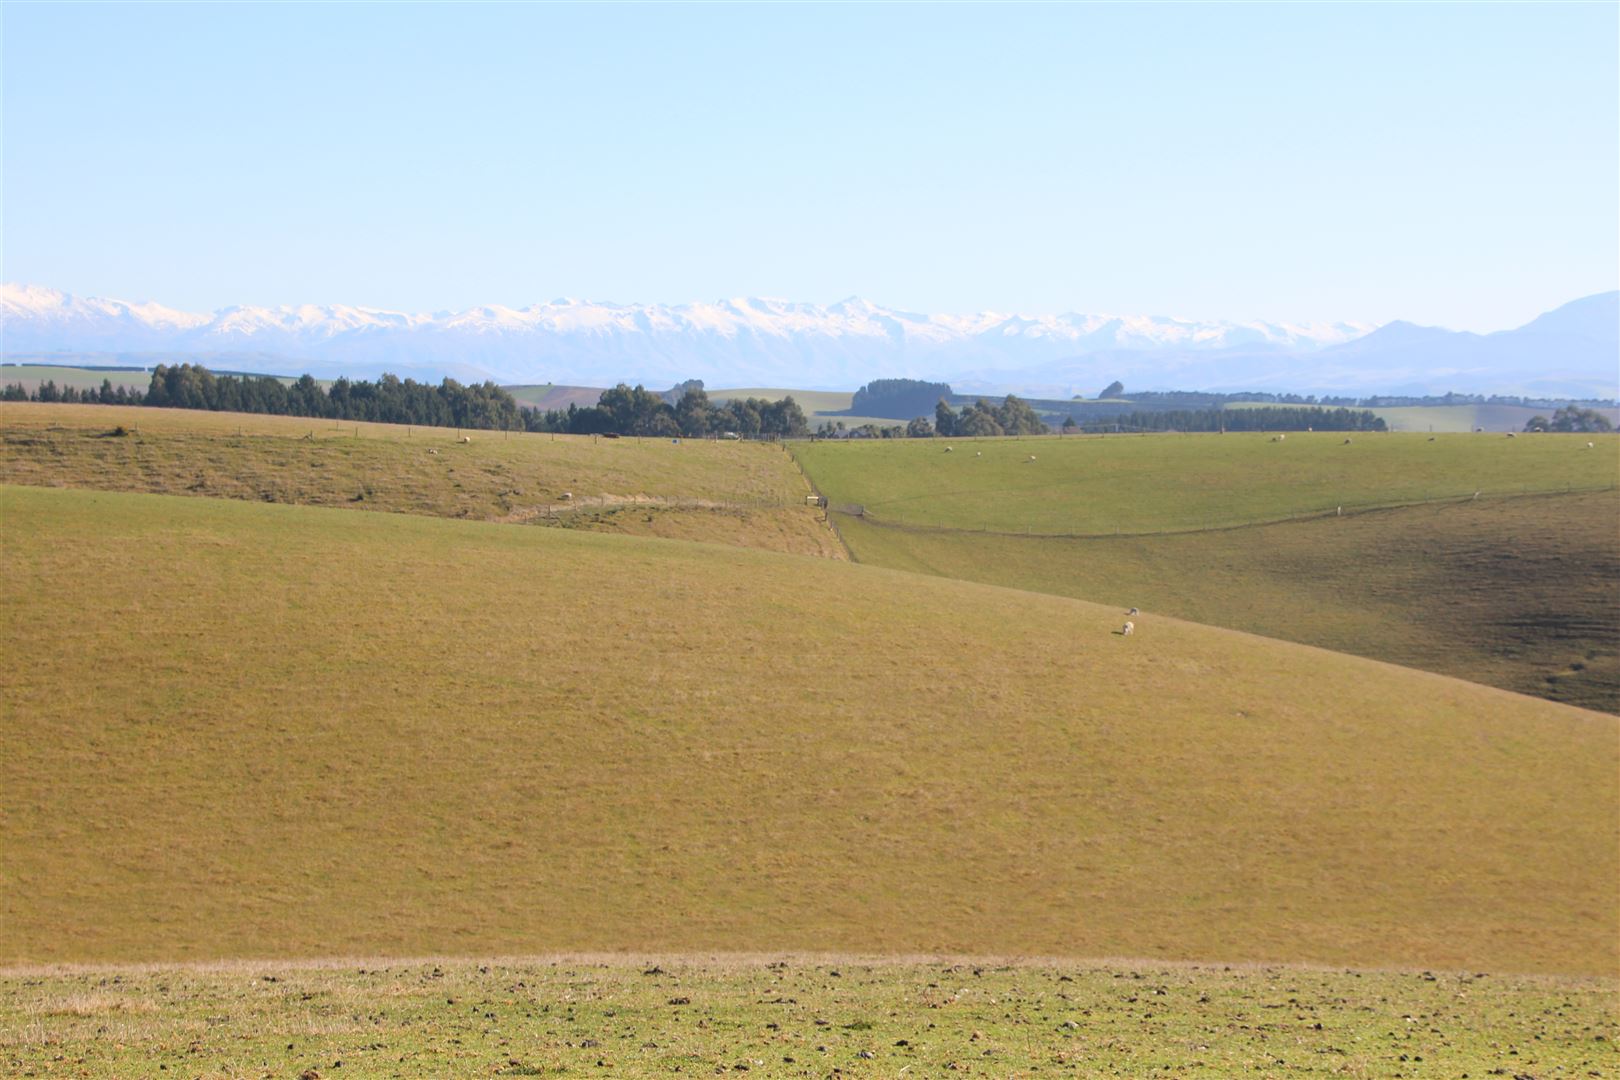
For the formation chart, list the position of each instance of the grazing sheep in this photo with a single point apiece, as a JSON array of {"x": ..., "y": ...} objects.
[
  {"x": 1431, "y": 438},
  {"x": 1347, "y": 442},
  {"x": 1032, "y": 457},
  {"x": 432, "y": 451},
  {"x": 1590, "y": 445},
  {"x": 465, "y": 439},
  {"x": 947, "y": 449},
  {"x": 1133, "y": 611},
  {"x": 978, "y": 453},
  {"x": 1128, "y": 629},
  {"x": 1512, "y": 436},
  {"x": 565, "y": 496}
]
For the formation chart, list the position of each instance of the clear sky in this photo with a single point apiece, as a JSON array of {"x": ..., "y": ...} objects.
[{"x": 1452, "y": 164}]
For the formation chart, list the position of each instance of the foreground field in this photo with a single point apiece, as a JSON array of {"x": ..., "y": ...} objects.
[
  {"x": 1520, "y": 592},
  {"x": 740, "y": 493},
  {"x": 1101, "y": 485},
  {"x": 794, "y": 1017},
  {"x": 240, "y": 730}
]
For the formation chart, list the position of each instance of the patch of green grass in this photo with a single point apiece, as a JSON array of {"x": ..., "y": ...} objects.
[
  {"x": 797, "y": 1017},
  {"x": 233, "y": 730},
  {"x": 1093, "y": 485},
  {"x": 1521, "y": 592}
]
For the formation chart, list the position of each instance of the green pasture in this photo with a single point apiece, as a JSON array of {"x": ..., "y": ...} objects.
[
  {"x": 1094, "y": 485},
  {"x": 796, "y": 1017},
  {"x": 243, "y": 730},
  {"x": 1519, "y": 592}
]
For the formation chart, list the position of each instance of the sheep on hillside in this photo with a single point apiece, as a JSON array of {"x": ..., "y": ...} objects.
[
  {"x": 465, "y": 439},
  {"x": 1347, "y": 442},
  {"x": 1128, "y": 629},
  {"x": 1133, "y": 611},
  {"x": 947, "y": 449},
  {"x": 1032, "y": 457},
  {"x": 1590, "y": 445}
]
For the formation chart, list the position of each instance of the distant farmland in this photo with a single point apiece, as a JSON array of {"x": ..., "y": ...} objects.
[
  {"x": 1100, "y": 485},
  {"x": 1515, "y": 590},
  {"x": 526, "y": 740}
]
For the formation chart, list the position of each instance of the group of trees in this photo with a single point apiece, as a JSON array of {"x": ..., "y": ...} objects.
[
  {"x": 627, "y": 410},
  {"x": 1012, "y": 417},
  {"x": 623, "y": 410},
  {"x": 108, "y": 394},
  {"x": 898, "y": 398},
  {"x": 389, "y": 400},
  {"x": 1571, "y": 418},
  {"x": 1265, "y": 418}
]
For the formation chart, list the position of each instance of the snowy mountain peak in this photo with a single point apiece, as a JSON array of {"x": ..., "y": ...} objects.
[{"x": 767, "y": 341}]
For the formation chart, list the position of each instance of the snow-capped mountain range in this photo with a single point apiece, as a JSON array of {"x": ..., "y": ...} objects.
[{"x": 760, "y": 342}]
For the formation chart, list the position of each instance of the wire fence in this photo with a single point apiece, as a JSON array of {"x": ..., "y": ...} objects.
[{"x": 1210, "y": 523}]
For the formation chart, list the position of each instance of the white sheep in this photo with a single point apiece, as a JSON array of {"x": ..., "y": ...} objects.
[
  {"x": 433, "y": 451},
  {"x": 1134, "y": 611},
  {"x": 947, "y": 449},
  {"x": 978, "y": 453},
  {"x": 565, "y": 496},
  {"x": 1032, "y": 457},
  {"x": 1512, "y": 436},
  {"x": 1590, "y": 445},
  {"x": 1129, "y": 629},
  {"x": 465, "y": 439}
]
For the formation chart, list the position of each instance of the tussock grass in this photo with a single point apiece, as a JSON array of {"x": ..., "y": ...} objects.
[
  {"x": 795, "y": 1016},
  {"x": 726, "y": 492},
  {"x": 241, "y": 730}
]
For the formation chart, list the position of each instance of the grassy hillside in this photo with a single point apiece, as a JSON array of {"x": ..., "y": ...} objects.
[
  {"x": 729, "y": 492},
  {"x": 1521, "y": 592},
  {"x": 1145, "y": 483},
  {"x": 797, "y": 1017},
  {"x": 241, "y": 730},
  {"x": 30, "y": 376},
  {"x": 552, "y": 396}
]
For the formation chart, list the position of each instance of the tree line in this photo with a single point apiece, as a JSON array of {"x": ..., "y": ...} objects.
[
  {"x": 627, "y": 410},
  {"x": 1266, "y": 418},
  {"x": 623, "y": 410}
]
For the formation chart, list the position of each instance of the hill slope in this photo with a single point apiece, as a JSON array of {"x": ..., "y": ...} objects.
[{"x": 234, "y": 729}]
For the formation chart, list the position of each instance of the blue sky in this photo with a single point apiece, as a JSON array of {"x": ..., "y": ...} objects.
[{"x": 1449, "y": 164}]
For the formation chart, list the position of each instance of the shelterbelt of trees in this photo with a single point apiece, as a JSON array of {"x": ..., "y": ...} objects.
[
  {"x": 1264, "y": 418},
  {"x": 623, "y": 410}
]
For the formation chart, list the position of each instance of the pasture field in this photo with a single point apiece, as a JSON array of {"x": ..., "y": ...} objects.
[
  {"x": 1098, "y": 485},
  {"x": 238, "y": 730},
  {"x": 745, "y": 493},
  {"x": 1521, "y": 592},
  {"x": 30, "y": 376},
  {"x": 796, "y": 1017},
  {"x": 1466, "y": 417},
  {"x": 553, "y": 396}
]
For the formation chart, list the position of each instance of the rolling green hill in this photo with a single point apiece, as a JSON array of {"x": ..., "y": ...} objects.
[
  {"x": 1095, "y": 485},
  {"x": 232, "y": 729}
]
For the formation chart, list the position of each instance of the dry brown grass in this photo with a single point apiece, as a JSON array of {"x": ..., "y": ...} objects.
[
  {"x": 745, "y": 494},
  {"x": 241, "y": 730}
]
